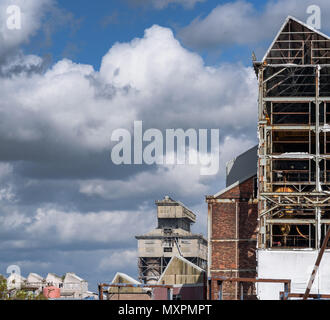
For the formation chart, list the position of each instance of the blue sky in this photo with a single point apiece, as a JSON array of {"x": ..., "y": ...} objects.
[
  {"x": 92, "y": 28},
  {"x": 98, "y": 26},
  {"x": 74, "y": 73}
]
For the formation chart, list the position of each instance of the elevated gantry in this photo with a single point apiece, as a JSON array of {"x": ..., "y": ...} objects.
[{"x": 294, "y": 138}]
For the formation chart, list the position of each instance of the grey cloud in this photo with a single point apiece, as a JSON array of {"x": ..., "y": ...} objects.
[
  {"x": 18, "y": 63},
  {"x": 57, "y": 130},
  {"x": 239, "y": 23},
  {"x": 32, "y": 13}
]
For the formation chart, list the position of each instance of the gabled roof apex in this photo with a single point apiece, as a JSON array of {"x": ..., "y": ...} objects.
[
  {"x": 284, "y": 25},
  {"x": 126, "y": 277}
]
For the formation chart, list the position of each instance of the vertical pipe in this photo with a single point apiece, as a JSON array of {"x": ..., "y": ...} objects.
[
  {"x": 286, "y": 291},
  {"x": 317, "y": 155},
  {"x": 209, "y": 239},
  {"x": 242, "y": 290},
  {"x": 317, "y": 128},
  {"x": 220, "y": 290},
  {"x": 210, "y": 288},
  {"x": 100, "y": 292},
  {"x": 271, "y": 236},
  {"x": 309, "y": 143},
  {"x": 318, "y": 228},
  {"x": 204, "y": 286},
  {"x": 169, "y": 293}
]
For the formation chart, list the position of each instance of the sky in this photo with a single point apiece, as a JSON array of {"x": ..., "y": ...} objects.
[{"x": 75, "y": 72}]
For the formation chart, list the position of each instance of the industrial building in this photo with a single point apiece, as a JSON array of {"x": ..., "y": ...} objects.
[
  {"x": 172, "y": 237},
  {"x": 266, "y": 228},
  {"x": 181, "y": 280},
  {"x": 232, "y": 229},
  {"x": 293, "y": 157},
  {"x": 171, "y": 260}
]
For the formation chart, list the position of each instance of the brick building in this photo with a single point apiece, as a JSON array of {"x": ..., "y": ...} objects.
[{"x": 232, "y": 228}]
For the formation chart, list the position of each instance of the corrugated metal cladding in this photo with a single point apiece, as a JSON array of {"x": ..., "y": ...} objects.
[{"x": 242, "y": 167}]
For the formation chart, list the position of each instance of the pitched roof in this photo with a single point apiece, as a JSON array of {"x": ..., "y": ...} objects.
[
  {"x": 298, "y": 31},
  {"x": 54, "y": 275},
  {"x": 127, "y": 279},
  {"x": 184, "y": 260},
  {"x": 73, "y": 275},
  {"x": 124, "y": 276},
  {"x": 35, "y": 275},
  {"x": 242, "y": 167}
]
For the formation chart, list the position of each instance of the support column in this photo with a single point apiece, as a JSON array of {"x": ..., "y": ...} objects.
[{"x": 317, "y": 156}]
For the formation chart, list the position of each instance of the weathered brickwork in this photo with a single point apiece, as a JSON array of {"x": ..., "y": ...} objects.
[{"x": 233, "y": 239}]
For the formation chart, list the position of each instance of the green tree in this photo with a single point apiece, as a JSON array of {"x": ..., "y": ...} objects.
[
  {"x": 40, "y": 297},
  {"x": 20, "y": 295},
  {"x": 3, "y": 288},
  {"x": 17, "y": 294}
]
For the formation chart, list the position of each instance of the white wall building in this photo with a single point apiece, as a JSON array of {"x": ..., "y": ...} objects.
[
  {"x": 15, "y": 281},
  {"x": 54, "y": 280},
  {"x": 71, "y": 286},
  {"x": 74, "y": 287}
]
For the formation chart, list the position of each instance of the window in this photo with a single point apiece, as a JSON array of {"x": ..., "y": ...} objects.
[{"x": 167, "y": 249}]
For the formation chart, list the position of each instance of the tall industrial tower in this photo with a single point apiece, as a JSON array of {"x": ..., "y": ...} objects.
[
  {"x": 294, "y": 152},
  {"x": 171, "y": 237}
]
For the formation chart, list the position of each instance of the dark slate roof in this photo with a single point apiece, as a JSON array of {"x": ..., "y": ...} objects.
[{"x": 242, "y": 167}]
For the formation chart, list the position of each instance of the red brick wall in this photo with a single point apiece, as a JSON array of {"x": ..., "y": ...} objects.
[{"x": 233, "y": 239}]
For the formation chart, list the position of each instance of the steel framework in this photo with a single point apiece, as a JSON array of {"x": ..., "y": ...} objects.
[
  {"x": 294, "y": 142},
  {"x": 220, "y": 280}
]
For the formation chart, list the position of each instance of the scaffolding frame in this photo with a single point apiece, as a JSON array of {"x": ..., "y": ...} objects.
[{"x": 293, "y": 126}]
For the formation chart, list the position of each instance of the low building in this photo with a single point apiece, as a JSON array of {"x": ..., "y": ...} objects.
[
  {"x": 232, "y": 228},
  {"x": 54, "y": 280},
  {"x": 15, "y": 281},
  {"x": 69, "y": 286},
  {"x": 127, "y": 293},
  {"x": 36, "y": 283},
  {"x": 188, "y": 280},
  {"x": 74, "y": 287}
]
